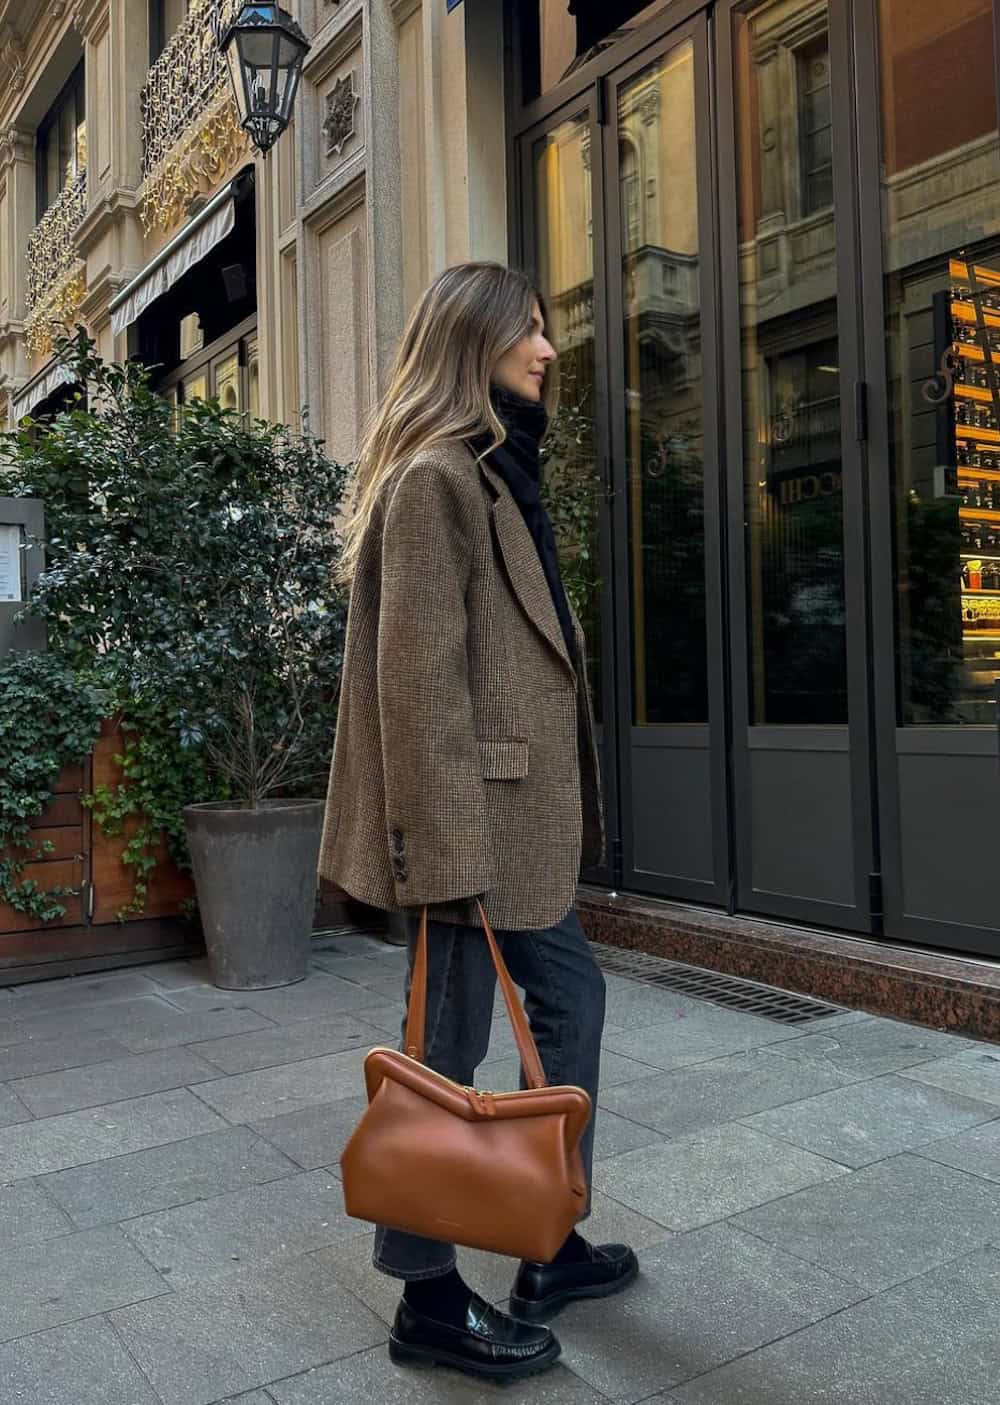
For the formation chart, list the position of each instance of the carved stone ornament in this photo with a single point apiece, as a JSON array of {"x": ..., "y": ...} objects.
[
  {"x": 649, "y": 106},
  {"x": 12, "y": 57},
  {"x": 341, "y": 105}
]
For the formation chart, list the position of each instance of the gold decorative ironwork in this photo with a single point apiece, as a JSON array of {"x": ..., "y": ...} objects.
[
  {"x": 56, "y": 275},
  {"x": 191, "y": 133},
  {"x": 214, "y": 145}
]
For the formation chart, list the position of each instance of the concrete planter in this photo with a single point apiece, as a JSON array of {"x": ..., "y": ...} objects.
[{"x": 255, "y": 874}]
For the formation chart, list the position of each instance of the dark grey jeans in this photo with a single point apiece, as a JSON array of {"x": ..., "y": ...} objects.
[{"x": 564, "y": 999}]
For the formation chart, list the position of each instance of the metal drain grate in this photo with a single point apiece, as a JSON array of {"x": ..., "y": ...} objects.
[{"x": 782, "y": 1006}]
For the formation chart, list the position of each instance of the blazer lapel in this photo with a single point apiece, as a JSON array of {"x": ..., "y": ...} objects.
[{"x": 523, "y": 566}]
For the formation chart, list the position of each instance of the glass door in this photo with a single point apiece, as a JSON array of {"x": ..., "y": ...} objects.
[
  {"x": 800, "y": 717},
  {"x": 931, "y": 228},
  {"x": 665, "y": 470}
]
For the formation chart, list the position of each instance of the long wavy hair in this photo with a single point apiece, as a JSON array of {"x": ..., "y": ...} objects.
[{"x": 468, "y": 318}]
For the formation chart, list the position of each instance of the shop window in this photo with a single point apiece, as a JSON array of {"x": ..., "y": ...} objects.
[
  {"x": 559, "y": 36},
  {"x": 61, "y": 143},
  {"x": 815, "y": 125},
  {"x": 941, "y": 256}
]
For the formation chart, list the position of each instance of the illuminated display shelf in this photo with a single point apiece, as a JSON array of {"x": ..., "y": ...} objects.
[
  {"x": 981, "y": 436},
  {"x": 993, "y": 594},
  {"x": 963, "y": 311},
  {"x": 971, "y": 474},
  {"x": 979, "y": 514}
]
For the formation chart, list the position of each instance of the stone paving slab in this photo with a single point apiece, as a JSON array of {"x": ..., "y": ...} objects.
[
  {"x": 885, "y": 1223},
  {"x": 318, "y": 997},
  {"x": 27, "y": 1212},
  {"x": 198, "y": 1168},
  {"x": 976, "y": 1151},
  {"x": 129, "y": 1076},
  {"x": 268, "y": 1092},
  {"x": 695, "y": 1038},
  {"x": 78, "y": 992},
  {"x": 868, "y": 1047},
  {"x": 710, "y": 1175},
  {"x": 204, "y": 1344},
  {"x": 104, "y": 1016},
  {"x": 34, "y": 1056},
  {"x": 932, "y": 1341},
  {"x": 703, "y": 1299},
  {"x": 12, "y": 1108},
  {"x": 975, "y": 1073},
  {"x": 702, "y": 1095},
  {"x": 210, "y": 1239},
  {"x": 81, "y": 1364},
  {"x": 75, "y": 1138},
  {"x": 43, "y": 1284},
  {"x": 868, "y": 1121},
  {"x": 314, "y": 1136},
  {"x": 244, "y": 1053}
]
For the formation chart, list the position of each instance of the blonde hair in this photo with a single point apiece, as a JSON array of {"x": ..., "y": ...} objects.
[{"x": 468, "y": 318}]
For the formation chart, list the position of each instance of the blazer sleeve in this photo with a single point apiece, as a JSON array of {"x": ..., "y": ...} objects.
[{"x": 439, "y": 849}]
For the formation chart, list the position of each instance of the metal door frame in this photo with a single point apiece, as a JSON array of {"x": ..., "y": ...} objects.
[
  {"x": 695, "y": 28},
  {"x": 585, "y": 101}
]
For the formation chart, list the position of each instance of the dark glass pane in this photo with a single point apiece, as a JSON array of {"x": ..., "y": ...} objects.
[
  {"x": 791, "y": 381},
  {"x": 941, "y": 193},
  {"x": 663, "y": 391}
]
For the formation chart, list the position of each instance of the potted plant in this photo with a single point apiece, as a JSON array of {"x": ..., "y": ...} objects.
[{"x": 195, "y": 552}]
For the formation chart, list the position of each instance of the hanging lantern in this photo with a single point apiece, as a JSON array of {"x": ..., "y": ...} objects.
[{"x": 265, "y": 49}]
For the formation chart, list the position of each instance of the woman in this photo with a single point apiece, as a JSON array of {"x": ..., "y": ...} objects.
[{"x": 465, "y": 763}]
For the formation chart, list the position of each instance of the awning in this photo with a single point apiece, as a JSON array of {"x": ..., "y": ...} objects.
[
  {"x": 52, "y": 375},
  {"x": 198, "y": 238}
]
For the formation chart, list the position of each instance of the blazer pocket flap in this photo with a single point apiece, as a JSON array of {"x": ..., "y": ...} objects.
[{"x": 504, "y": 761}]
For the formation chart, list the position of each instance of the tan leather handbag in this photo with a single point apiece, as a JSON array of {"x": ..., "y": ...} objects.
[{"x": 496, "y": 1171}]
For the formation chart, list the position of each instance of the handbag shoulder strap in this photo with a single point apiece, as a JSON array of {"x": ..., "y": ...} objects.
[{"x": 531, "y": 1063}]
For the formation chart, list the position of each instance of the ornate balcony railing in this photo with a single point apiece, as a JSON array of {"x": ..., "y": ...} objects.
[
  {"x": 55, "y": 269},
  {"x": 190, "y": 127}
]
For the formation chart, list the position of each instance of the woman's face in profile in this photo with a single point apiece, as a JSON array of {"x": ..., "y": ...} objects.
[{"x": 523, "y": 368}]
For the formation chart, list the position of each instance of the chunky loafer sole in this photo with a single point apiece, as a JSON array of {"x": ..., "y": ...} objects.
[
  {"x": 412, "y": 1354},
  {"x": 542, "y": 1309}
]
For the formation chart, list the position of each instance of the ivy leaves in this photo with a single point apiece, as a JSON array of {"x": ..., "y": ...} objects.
[{"x": 50, "y": 717}]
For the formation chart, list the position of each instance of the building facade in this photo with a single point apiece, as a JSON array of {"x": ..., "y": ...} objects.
[{"x": 768, "y": 235}]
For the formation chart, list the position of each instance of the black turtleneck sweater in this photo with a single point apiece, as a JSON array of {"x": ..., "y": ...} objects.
[{"x": 518, "y": 462}]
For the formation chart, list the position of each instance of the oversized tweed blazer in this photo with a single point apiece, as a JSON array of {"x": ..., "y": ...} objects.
[{"x": 465, "y": 761}]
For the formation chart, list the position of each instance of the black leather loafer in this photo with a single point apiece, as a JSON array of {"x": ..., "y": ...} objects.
[
  {"x": 489, "y": 1343},
  {"x": 541, "y": 1290}
]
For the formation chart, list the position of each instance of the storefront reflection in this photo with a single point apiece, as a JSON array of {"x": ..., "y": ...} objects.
[
  {"x": 941, "y": 220},
  {"x": 791, "y": 366}
]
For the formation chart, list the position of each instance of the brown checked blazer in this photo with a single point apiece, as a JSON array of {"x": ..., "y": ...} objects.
[{"x": 465, "y": 761}]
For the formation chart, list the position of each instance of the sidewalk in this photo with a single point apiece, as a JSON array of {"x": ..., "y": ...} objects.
[{"x": 817, "y": 1208}]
